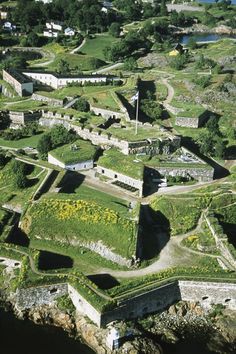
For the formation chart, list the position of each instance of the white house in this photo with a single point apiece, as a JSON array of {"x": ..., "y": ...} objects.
[
  {"x": 50, "y": 33},
  {"x": 54, "y": 25},
  {"x": 69, "y": 32}
]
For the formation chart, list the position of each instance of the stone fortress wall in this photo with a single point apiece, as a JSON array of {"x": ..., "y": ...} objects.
[
  {"x": 51, "y": 101},
  {"x": 102, "y": 138},
  {"x": 155, "y": 300}
]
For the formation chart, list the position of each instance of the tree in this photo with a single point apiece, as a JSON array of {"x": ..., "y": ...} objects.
[
  {"x": 220, "y": 148},
  {"x": 63, "y": 67},
  {"x": 20, "y": 180},
  {"x": 179, "y": 61},
  {"x": 18, "y": 167},
  {"x": 192, "y": 43},
  {"x": 130, "y": 64},
  {"x": 32, "y": 40},
  {"x": 44, "y": 145},
  {"x": 59, "y": 136},
  {"x": 206, "y": 143},
  {"x": 163, "y": 8},
  {"x": 82, "y": 105},
  {"x": 114, "y": 29},
  {"x": 203, "y": 81},
  {"x": 3, "y": 159},
  {"x": 151, "y": 108},
  {"x": 212, "y": 125}
]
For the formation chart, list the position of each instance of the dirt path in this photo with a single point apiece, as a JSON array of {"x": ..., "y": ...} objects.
[
  {"x": 171, "y": 91},
  {"x": 79, "y": 47}
]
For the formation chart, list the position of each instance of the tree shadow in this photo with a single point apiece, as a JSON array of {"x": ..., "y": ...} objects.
[
  {"x": 104, "y": 281},
  {"x": 32, "y": 182},
  {"x": 18, "y": 237},
  {"x": 230, "y": 153},
  {"x": 49, "y": 260},
  {"x": 70, "y": 182},
  {"x": 154, "y": 233},
  {"x": 228, "y": 228},
  {"x": 219, "y": 171}
]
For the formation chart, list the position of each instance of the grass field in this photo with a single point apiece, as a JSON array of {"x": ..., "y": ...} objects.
[
  {"x": 79, "y": 151},
  {"x": 116, "y": 161},
  {"x": 18, "y": 197},
  {"x": 31, "y": 141},
  {"x": 94, "y": 47},
  {"x": 72, "y": 222}
]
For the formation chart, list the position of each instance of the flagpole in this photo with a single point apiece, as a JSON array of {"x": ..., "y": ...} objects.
[{"x": 136, "y": 124}]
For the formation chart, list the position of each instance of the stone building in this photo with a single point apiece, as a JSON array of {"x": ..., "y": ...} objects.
[{"x": 21, "y": 83}]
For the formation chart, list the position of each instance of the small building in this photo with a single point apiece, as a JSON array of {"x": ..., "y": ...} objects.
[
  {"x": 50, "y": 33},
  {"x": 178, "y": 49},
  {"x": 8, "y": 26},
  {"x": 54, "y": 25},
  {"x": 76, "y": 156},
  {"x": 3, "y": 14},
  {"x": 21, "y": 84},
  {"x": 124, "y": 171},
  {"x": 69, "y": 32},
  {"x": 113, "y": 339}
]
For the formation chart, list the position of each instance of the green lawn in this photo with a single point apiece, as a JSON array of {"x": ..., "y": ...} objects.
[
  {"x": 89, "y": 194},
  {"x": 144, "y": 132},
  {"x": 10, "y": 194},
  {"x": 76, "y": 152},
  {"x": 70, "y": 222},
  {"x": 94, "y": 47},
  {"x": 25, "y": 105},
  {"x": 31, "y": 141},
  {"x": 116, "y": 161}
]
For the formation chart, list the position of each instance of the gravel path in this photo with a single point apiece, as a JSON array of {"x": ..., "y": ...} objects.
[{"x": 79, "y": 47}]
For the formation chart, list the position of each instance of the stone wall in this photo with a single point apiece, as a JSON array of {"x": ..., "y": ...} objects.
[
  {"x": 106, "y": 113},
  {"x": 101, "y": 138},
  {"x": 51, "y": 101},
  {"x": 21, "y": 118},
  {"x": 208, "y": 293},
  {"x": 83, "y": 306},
  {"x": 113, "y": 174},
  {"x": 191, "y": 122},
  {"x": 41, "y": 295},
  {"x": 221, "y": 240},
  {"x": 152, "y": 301},
  {"x": 199, "y": 173},
  {"x": 155, "y": 300}
]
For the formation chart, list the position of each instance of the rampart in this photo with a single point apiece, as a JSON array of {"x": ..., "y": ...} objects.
[
  {"x": 21, "y": 118},
  {"x": 51, "y": 101},
  {"x": 155, "y": 300},
  {"x": 202, "y": 174},
  {"x": 104, "y": 139}
]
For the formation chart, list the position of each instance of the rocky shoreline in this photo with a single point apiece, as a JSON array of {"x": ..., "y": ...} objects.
[
  {"x": 213, "y": 329},
  {"x": 199, "y": 28}
]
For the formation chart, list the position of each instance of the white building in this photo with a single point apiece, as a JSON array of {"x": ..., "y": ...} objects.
[
  {"x": 76, "y": 166},
  {"x": 57, "y": 81},
  {"x": 50, "y": 33},
  {"x": 54, "y": 25},
  {"x": 113, "y": 338}
]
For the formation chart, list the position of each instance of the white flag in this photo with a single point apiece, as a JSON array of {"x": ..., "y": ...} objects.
[{"x": 135, "y": 97}]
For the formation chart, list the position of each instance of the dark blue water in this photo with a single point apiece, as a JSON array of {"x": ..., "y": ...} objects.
[
  {"x": 204, "y": 37},
  {"x": 24, "y": 337},
  {"x": 233, "y": 2}
]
